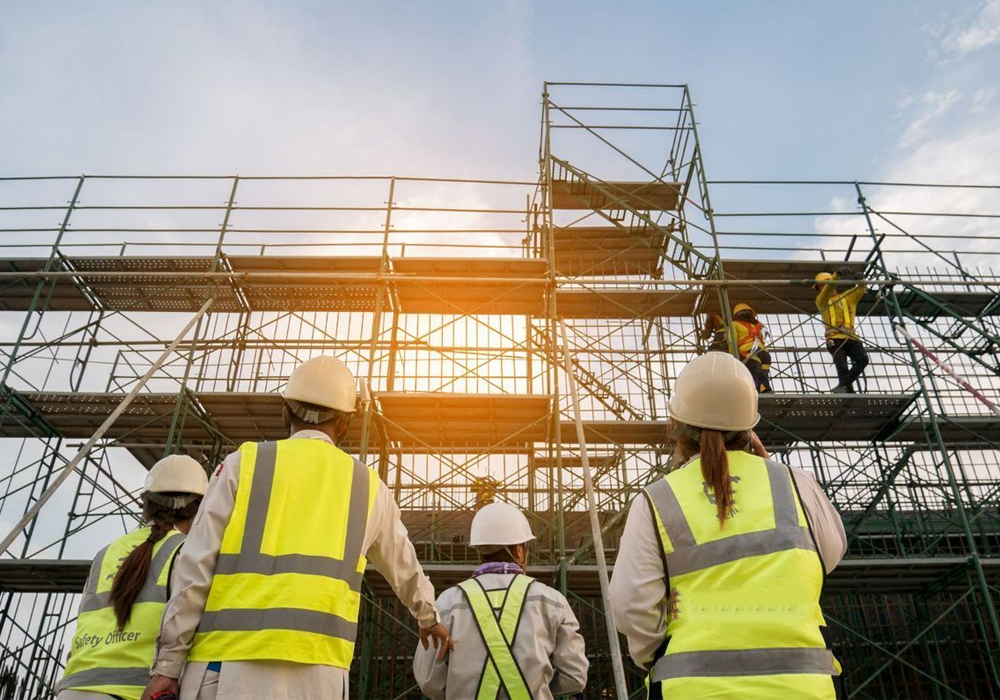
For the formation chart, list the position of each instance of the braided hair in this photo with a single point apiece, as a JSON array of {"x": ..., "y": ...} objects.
[{"x": 161, "y": 512}]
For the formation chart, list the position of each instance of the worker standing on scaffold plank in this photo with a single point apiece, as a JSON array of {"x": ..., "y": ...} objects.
[
  {"x": 839, "y": 308},
  {"x": 751, "y": 341},
  {"x": 128, "y": 587},
  {"x": 269, "y": 581},
  {"x": 515, "y": 637},
  {"x": 721, "y": 564}
]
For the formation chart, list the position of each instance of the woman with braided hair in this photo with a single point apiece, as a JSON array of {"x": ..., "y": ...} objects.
[{"x": 128, "y": 588}]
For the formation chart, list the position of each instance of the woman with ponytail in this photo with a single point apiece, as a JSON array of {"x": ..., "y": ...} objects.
[
  {"x": 128, "y": 588},
  {"x": 722, "y": 561}
]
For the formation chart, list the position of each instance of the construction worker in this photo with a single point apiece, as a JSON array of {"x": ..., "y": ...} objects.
[
  {"x": 720, "y": 567},
  {"x": 128, "y": 587},
  {"x": 269, "y": 581},
  {"x": 752, "y": 345},
  {"x": 713, "y": 332},
  {"x": 514, "y": 636},
  {"x": 839, "y": 308}
]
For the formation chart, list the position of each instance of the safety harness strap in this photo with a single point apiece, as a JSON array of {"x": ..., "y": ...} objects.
[{"x": 501, "y": 668}]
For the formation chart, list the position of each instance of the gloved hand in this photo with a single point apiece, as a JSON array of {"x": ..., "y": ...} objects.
[{"x": 845, "y": 273}]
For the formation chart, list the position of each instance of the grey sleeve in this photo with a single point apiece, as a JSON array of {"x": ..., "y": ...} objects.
[
  {"x": 432, "y": 675},
  {"x": 569, "y": 658},
  {"x": 824, "y": 520},
  {"x": 638, "y": 588}
]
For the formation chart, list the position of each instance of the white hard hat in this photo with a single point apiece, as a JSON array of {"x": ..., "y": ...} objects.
[
  {"x": 499, "y": 524},
  {"x": 322, "y": 381},
  {"x": 715, "y": 391},
  {"x": 176, "y": 474}
]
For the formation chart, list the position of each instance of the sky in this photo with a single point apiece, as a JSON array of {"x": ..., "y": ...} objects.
[
  {"x": 881, "y": 91},
  {"x": 789, "y": 90}
]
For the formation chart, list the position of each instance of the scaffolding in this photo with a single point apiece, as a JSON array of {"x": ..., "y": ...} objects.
[{"x": 450, "y": 299}]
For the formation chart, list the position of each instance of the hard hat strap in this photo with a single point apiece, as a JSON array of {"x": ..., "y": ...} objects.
[
  {"x": 172, "y": 502},
  {"x": 310, "y": 415}
]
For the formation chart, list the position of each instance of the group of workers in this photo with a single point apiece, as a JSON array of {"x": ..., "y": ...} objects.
[
  {"x": 838, "y": 308},
  {"x": 249, "y": 586}
]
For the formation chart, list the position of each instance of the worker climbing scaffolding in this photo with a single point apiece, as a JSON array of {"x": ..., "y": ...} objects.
[
  {"x": 751, "y": 341},
  {"x": 839, "y": 308}
]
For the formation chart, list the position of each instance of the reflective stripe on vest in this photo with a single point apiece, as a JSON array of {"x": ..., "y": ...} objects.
[
  {"x": 758, "y": 578},
  {"x": 104, "y": 659},
  {"x": 501, "y": 669},
  {"x": 287, "y": 583}
]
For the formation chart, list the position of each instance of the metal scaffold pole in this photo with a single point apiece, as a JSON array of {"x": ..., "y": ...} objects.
[
  {"x": 595, "y": 525},
  {"x": 105, "y": 426}
]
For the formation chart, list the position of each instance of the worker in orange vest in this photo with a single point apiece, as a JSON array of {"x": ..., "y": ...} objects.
[{"x": 751, "y": 342}]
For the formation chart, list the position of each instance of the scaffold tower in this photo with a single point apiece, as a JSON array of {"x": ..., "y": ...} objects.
[{"x": 150, "y": 315}]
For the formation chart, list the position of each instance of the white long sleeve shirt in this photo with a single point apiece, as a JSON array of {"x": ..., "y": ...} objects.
[
  {"x": 386, "y": 546},
  {"x": 548, "y": 646},
  {"x": 638, "y": 587}
]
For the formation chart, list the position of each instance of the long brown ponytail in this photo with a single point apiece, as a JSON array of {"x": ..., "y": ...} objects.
[
  {"x": 715, "y": 472},
  {"x": 714, "y": 463},
  {"x": 131, "y": 577}
]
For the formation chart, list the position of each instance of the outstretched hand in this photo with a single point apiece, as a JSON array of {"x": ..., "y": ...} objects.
[{"x": 438, "y": 634}]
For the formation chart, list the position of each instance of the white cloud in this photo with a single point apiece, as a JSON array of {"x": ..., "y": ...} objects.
[
  {"x": 967, "y": 156},
  {"x": 935, "y": 105},
  {"x": 983, "y": 31},
  {"x": 982, "y": 99}
]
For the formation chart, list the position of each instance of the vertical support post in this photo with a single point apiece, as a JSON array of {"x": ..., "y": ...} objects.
[
  {"x": 595, "y": 524},
  {"x": 545, "y": 175},
  {"x": 719, "y": 272},
  {"x": 383, "y": 290}
]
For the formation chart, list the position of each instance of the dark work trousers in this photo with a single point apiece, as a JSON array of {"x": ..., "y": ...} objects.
[
  {"x": 844, "y": 349},
  {"x": 759, "y": 365}
]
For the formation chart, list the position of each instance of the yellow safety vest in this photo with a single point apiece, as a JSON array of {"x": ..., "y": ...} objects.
[
  {"x": 497, "y": 615},
  {"x": 104, "y": 659},
  {"x": 839, "y": 310},
  {"x": 287, "y": 584},
  {"x": 746, "y": 620}
]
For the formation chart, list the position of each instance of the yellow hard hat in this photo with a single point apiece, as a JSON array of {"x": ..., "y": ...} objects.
[
  {"x": 743, "y": 307},
  {"x": 176, "y": 474},
  {"x": 321, "y": 381},
  {"x": 822, "y": 277},
  {"x": 715, "y": 391}
]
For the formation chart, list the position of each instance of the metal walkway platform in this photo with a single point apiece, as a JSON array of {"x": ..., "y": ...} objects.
[
  {"x": 606, "y": 250},
  {"x": 470, "y": 285},
  {"x": 801, "y": 299},
  {"x": 788, "y": 418},
  {"x": 465, "y": 422},
  {"x": 645, "y": 196},
  {"x": 625, "y": 304},
  {"x": 956, "y": 431},
  {"x": 459, "y": 420}
]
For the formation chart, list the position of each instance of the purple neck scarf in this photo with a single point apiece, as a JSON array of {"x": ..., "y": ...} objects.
[{"x": 498, "y": 567}]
